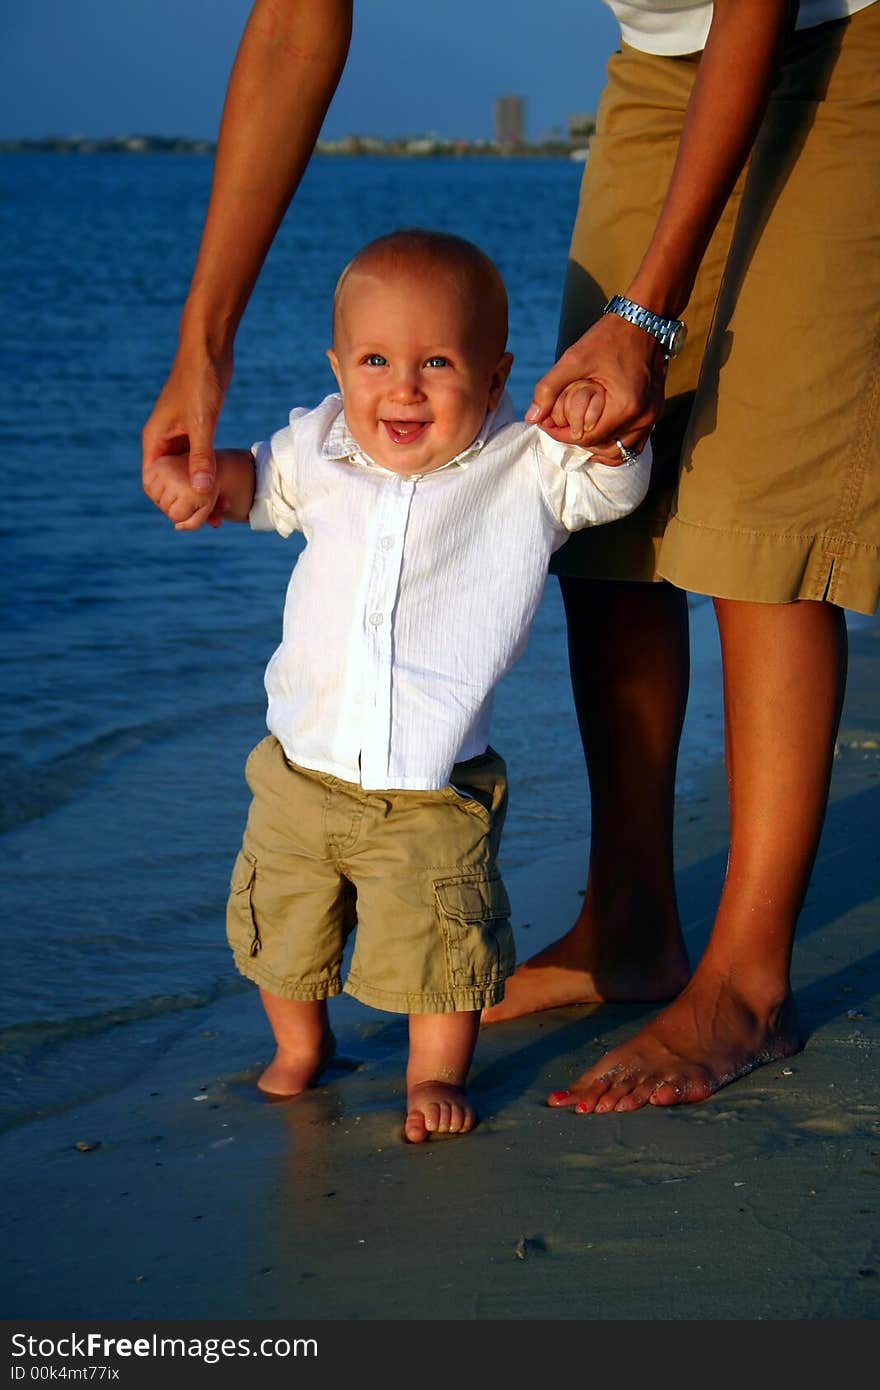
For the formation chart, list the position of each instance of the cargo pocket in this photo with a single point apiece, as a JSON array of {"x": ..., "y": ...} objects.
[
  {"x": 242, "y": 931},
  {"x": 474, "y": 915}
]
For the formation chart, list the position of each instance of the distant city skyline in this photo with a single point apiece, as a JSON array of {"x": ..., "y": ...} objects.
[{"x": 155, "y": 67}]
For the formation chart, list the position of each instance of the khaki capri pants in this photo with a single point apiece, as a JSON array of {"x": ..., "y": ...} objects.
[{"x": 766, "y": 481}]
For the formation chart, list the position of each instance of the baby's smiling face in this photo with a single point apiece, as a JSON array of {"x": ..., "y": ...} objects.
[{"x": 416, "y": 367}]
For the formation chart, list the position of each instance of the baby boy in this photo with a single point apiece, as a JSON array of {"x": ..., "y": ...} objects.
[{"x": 429, "y": 514}]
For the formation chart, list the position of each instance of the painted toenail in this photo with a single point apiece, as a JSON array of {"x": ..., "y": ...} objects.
[
  {"x": 581, "y": 1108},
  {"x": 560, "y": 1095}
]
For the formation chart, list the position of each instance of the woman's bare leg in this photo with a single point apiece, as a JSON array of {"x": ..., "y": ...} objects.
[
  {"x": 441, "y": 1047},
  {"x": 784, "y": 676},
  {"x": 629, "y": 657}
]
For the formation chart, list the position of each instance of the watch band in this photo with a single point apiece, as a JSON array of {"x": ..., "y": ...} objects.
[{"x": 668, "y": 332}]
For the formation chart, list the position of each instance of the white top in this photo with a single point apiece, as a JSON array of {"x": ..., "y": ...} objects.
[
  {"x": 681, "y": 26},
  {"x": 414, "y": 595}
]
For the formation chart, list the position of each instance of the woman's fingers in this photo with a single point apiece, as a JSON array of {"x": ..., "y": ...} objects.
[
  {"x": 551, "y": 386},
  {"x": 622, "y": 362},
  {"x": 202, "y": 463},
  {"x": 185, "y": 416}
]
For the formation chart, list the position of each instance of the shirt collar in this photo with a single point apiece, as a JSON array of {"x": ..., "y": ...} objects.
[{"x": 340, "y": 443}]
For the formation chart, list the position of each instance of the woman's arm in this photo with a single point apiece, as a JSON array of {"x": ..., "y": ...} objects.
[
  {"x": 286, "y": 70},
  {"x": 725, "y": 110}
]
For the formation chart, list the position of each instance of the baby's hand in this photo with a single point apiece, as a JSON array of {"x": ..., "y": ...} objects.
[
  {"x": 166, "y": 482},
  {"x": 576, "y": 412}
]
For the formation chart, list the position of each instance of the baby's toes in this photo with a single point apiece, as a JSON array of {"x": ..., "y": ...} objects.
[
  {"x": 438, "y": 1117},
  {"x": 463, "y": 1118},
  {"x": 415, "y": 1128}
]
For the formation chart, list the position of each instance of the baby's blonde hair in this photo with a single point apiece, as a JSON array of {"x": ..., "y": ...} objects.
[{"x": 430, "y": 251}]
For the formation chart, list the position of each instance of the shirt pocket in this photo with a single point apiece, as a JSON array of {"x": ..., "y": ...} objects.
[
  {"x": 242, "y": 931},
  {"x": 473, "y": 911}
]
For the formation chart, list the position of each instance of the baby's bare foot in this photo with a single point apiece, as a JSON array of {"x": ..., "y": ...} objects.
[
  {"x": 437, "y": 1107},
  {"x": 292, "y": 1072}
]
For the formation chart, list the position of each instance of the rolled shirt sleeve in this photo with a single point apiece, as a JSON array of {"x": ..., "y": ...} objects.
[
  {"x": 274, "y": 504},
  {"x": 580, "y": 490}
]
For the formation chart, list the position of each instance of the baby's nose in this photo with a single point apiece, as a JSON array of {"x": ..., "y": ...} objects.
[{"x": 407, "y": 385}]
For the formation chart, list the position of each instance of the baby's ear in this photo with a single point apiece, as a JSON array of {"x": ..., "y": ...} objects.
[
  {"x": 498, "y": 380},
  {"x": 334, "y": 363}
]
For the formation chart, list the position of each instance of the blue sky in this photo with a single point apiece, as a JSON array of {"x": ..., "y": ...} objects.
[{"x": 107, "y": 67}]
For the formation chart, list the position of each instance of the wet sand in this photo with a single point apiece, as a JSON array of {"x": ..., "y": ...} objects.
[{"x": 184, "y": 1196}]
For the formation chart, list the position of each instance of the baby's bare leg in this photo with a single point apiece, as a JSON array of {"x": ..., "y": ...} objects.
[
  {"x": 304, "y": 1044},
  {"x": 441, "y": 1047}
]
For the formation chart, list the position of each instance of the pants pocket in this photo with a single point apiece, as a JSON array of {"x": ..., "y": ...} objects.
[
  {"x": 471, "y": 800},
  {"x": 473, "y": 911},
  {"x": 242, "y": 931}
]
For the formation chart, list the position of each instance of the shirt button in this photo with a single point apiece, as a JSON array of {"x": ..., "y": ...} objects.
[
  {"x": 376, "y": 619},
  {"x": 387, "y": 542}
]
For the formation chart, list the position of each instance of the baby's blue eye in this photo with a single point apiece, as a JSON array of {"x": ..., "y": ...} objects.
[
  {"x": 437, "y": 362},
  {"x": 376, "y": 359}
]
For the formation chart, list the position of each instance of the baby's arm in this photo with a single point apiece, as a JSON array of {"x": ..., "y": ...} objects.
[{"x": 166, "y": 482}]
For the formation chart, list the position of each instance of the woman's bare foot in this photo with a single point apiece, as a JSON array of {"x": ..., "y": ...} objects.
[
  {"x": 437, "y": 1107},
  {"x": 706, "y": 1038},
  {"x": 584, "y": 967}
]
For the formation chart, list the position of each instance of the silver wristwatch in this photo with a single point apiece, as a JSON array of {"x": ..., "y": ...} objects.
[{"x": 670, "y": 333}]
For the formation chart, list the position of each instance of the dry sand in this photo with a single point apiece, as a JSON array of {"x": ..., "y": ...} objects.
[{"x": 199, "y": 1201}]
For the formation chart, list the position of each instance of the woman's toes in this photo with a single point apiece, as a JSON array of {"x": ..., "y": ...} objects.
[
  {"x": 638, "y": 1097},
  {"x": 556, "y": 1099}
]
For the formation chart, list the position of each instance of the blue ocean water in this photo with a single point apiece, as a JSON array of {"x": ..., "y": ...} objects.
[{"x": 133, "y": 657}]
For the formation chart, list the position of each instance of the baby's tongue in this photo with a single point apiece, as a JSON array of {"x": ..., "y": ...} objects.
[{"x": 405, "y": 430}]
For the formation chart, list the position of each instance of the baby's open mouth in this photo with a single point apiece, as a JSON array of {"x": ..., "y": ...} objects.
[{"x": 405, "y": 431}]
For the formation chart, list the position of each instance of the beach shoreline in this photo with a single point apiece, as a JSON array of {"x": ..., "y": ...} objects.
[
  {"x": 132, "y": 925},
  {"x": 182, "y": 1195}
]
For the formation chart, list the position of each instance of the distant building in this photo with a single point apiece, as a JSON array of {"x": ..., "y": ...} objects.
[{"x": 509, "y": 121}]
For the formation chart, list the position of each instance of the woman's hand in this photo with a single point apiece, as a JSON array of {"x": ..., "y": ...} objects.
[
  {"x": 185, "y": 416},
  {"x": 627, "y": 369}
]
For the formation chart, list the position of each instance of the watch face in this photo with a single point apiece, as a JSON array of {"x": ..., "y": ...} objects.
[{"x": 677, "y": 340}]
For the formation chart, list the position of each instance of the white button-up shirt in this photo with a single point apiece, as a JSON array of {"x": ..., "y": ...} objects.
[{"x": 414, "y": 595}]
